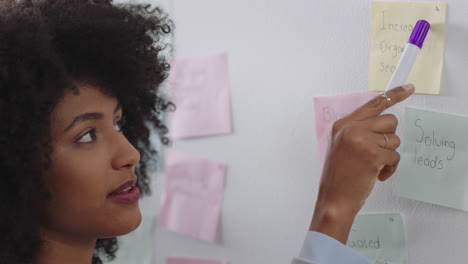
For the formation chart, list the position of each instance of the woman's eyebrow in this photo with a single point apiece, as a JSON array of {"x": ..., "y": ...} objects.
[
  {"x": 89, "y": 116},
  {"x": 84, "y": 117}
]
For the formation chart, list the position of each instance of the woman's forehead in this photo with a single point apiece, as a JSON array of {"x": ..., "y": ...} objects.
[{"x": 89, "y": 99}]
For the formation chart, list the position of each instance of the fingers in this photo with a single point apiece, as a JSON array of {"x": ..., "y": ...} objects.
[
  {"x": 392, "y": 142},
  {"x": 381, "y": 124},
  {"x": 387, "y": 172},
  {"x": 378, "y": 130},
  {"x": 390, "y": 160},
  {"x": 389, "y": 157},
  {"x": 377, "y": 105}
]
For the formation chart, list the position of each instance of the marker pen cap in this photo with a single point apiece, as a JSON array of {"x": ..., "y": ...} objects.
[{"x": 419, "y": 33}]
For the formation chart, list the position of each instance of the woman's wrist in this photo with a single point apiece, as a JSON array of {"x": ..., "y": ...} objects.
[{"x": 334, "y": 219}]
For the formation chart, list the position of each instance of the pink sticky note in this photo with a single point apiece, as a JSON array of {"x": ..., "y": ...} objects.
[
  {"x": 192, "y": 196},
  {"x": 179, "y": 260},
  {"x": 200, "y": 91},
  {"x": 328, "y": 109}
]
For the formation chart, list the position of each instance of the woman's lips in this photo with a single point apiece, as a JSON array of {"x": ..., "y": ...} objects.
[
  {"x": 124, "y": 186},
  {"x": 126, "y": 196}
]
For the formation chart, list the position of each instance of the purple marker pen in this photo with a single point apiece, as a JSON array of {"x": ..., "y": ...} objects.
[{"x": 415, "y": 42}]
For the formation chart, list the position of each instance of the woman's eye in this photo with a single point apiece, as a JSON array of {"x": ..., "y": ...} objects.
[
  {"x": 119, "y": 124},
  {"x": 88, "y": 137}
]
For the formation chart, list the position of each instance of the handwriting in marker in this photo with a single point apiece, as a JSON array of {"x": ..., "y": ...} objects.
[
  {"x": 433, "y": 165},
  {"x": 392, "y": 24},
  {"x": 380, "y": 238}
]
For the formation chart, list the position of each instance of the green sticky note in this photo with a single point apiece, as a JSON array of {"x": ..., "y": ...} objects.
[
  {"x": 137, "y": 246},
  {"x": 433, "y": 166},
  {"x": 381, "y": 238}
]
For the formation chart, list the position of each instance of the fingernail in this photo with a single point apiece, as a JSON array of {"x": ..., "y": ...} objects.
[{"x": 408, "y": 86}]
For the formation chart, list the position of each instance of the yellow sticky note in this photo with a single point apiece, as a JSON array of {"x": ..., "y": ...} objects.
[{"x": 391, "y": 26}]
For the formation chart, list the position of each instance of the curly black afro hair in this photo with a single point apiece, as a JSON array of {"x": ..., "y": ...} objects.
[{"x": 45, "y": 47}]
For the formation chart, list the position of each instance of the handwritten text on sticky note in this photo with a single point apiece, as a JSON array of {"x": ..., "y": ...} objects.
[
  {"x": 328, "y": 109},
  {"x": 392, "y": 24},
  {"x": 201, "y": 92},
  {"x": 433, "y": 166},
  {"x": 380, "y": 238},
  {"x": 192, "y": 196}
]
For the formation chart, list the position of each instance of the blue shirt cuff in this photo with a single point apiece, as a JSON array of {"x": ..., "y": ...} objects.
[{"x": 323, "y": 249}]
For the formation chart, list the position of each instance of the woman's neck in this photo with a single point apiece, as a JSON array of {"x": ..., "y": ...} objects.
[{"x": 59, "y": 249}]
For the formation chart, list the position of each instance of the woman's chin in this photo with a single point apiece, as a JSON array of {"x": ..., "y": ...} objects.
[{"x": 124, "y": 223}]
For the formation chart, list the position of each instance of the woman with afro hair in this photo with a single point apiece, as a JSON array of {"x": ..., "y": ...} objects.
[{"x": 78, "y": 98}]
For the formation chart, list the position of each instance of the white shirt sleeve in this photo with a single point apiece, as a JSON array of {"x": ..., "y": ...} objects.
[{"x": 319, "y": 248}]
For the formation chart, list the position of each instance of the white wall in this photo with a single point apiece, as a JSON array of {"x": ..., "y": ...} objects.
[{"x": 281, "y": 55}]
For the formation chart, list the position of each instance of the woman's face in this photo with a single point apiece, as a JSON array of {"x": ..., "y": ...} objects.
[{"x": 91, "y": 159}]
